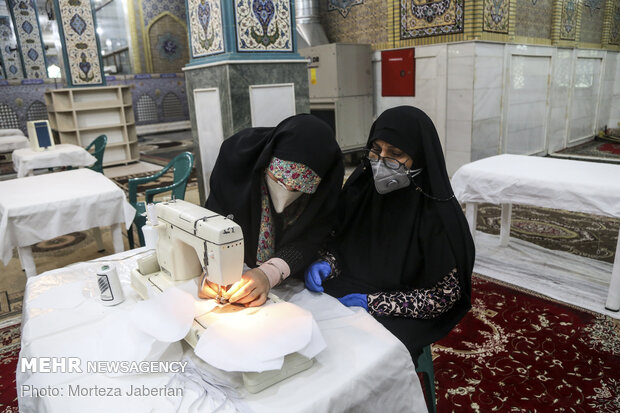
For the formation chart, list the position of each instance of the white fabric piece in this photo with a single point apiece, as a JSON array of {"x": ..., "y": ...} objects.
[
  {"x": 363, "y": 368},
  {"x": 316, "y": 344},
  {"x": 11, "y": 132},
  {"x": 222, "y": 392},
  {"x": 546, "y": 182},
  {"x": 26, "y": 160},
  {"x": 255, "y": 340},
  {"x": 167, "y": 317},
  {"x": 43, "y": 207},
  {"x": 64, "y": 296},
  {"x": 12, "y": 143}
]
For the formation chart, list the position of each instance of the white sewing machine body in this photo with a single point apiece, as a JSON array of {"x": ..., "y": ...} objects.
[{"x": 192, "y": 239}]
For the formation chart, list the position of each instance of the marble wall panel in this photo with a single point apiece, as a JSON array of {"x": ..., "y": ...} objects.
[
  {"x": 9, "y": 52},
  {"x": 434, "y": 17},
  {"x": 585, "y": 97},
  {"x": 264, "y": 25},
  {"x": 206, "y": 30},
  {"x": 614, "y": 115},
  {"x": 28, "y": 32},
  {"x": 81, "y": 49},
  {"x": 526, "y": 113},
  {"x": 485, "y": 139},
  {"x": 607, "y": 91},
  {"x": 533, "y": 18},
  {"x": 559, "y": 99}
]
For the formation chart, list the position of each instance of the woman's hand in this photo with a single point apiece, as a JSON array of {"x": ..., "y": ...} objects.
[
  {"x": 251, "y": 290},
  {"x": 207, "y": 289}
]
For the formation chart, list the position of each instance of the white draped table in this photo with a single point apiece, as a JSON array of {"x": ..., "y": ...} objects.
[
  {"x": 588, "y": 187},
  {"x": 43, "y": 207},
  {"x": 25, "y": 160},
  {"x": 364, "y": 368}
]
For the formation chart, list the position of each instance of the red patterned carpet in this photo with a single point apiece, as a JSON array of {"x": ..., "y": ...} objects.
[
  {"x": 515, "y": 352},
  {"x": 9, "y": 352}
]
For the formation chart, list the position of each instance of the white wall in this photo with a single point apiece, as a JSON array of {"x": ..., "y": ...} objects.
[
  {"x": 611, "y": 92},
  {"x": 430, "y": 86},
  {"x": 491, "y": 98},
  {"x": 488, "y": 84},
  {"x": 560, "y": 95},
  {"x": 526, "y": 94},
  {"x": 459, "y": 104}
]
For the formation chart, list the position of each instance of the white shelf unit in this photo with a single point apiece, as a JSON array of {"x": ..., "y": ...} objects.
[{"x": 80, "y": 115}]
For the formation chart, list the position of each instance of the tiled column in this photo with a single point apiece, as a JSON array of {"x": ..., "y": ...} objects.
[
  {"x": 9, "y": 53},
  {"x": 80, "y": 44},
  {"x": 234, "y": 46},
  {"x": 28, "y": 32}
]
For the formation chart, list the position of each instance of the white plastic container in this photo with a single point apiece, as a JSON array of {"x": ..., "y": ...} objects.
[
  {"x": 111, "y": 292},
  {"x": 148, "y": 230}
]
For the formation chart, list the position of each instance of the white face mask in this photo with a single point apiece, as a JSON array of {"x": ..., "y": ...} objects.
[{"x": 280, "y": 196}]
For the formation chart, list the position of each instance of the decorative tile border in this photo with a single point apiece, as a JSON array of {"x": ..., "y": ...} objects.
[
  {"x": 568, "y": 23},
  {"x": 10, "y": 58},
  {"x": 81, "y": 51},
  {"x": 591, "y": 23},
  {"x": 435, "y": 17},
  {"x": 206, "y": 30},
  {"x": 263, "y": 25},
  {"x": 496, "y": 16},
  {"x": 28, "y": 32},
  {"x": 614, "y": 32},
  {"x": 342, "y": 6},
  {"x": 533, "y": 18},
  {"x": 366, "y": 25}
]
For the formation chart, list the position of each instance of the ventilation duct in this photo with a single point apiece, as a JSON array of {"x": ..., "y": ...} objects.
[{"x": 309, "y": 29}]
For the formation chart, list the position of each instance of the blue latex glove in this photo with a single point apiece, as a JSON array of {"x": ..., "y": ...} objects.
[
  {"x": 355, "y": 300},
  {"x": 315, "y": 274}
]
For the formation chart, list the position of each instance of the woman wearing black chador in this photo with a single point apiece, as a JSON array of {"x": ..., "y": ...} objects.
[
  {"x": 402, "y": 248},
  {"x": 281, "y": 186}
]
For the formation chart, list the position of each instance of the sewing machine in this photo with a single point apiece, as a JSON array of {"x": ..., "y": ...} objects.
[{"x": 192, "y": 239}]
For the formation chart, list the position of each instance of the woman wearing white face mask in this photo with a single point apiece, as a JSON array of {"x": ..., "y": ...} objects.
[
  {"x": 281, "y": 186},
  {"x": 402, "y": 248}
]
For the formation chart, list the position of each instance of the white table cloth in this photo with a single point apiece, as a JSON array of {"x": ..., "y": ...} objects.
[
  {"x": 363, "y": 369},
  {"x": 38, "y": 208},
  {"x": 25, "y": 160},
  {"x": 12, "y": 142},
  {"x": 587, "y": 187}
]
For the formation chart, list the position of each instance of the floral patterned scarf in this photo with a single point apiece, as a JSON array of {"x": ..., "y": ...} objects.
[{"x": 295, "y": 175}]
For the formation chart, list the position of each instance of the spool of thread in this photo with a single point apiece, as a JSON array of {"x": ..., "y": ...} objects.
[
  {"x": 150, "y": 236},
  {"x": 151, "y": 214},
  {"x": 110, "y": 290}
]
